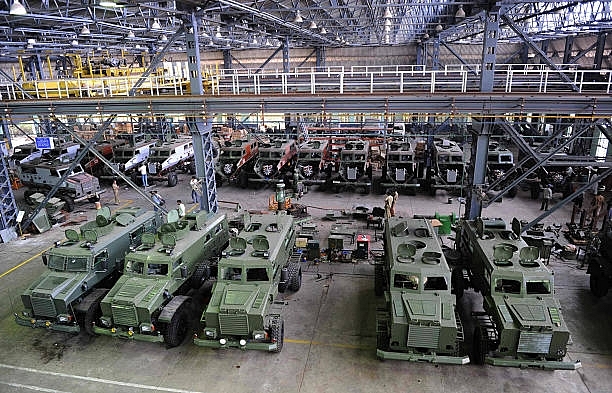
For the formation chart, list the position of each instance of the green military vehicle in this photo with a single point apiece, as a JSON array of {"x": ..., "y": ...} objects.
[
  {"x": 522, "y": 324},
  {"x": 258, "y": 264},
  {"x": 81, "y": 267},
  {"x": 417, "y": 318},
  {"x": 148, "y": 303}
]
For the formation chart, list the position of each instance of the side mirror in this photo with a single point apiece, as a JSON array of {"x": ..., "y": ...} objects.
[{"x": 183, "y": 271}]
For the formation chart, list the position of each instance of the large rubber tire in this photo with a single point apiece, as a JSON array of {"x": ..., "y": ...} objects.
[
  {"x": 92, "y": 315},
  {"x": 480, "y": 347},
  {"x": 201, "y": 274},
  {"x": 172, "y": 179},
  {"x": 277, "y": 334},
  {"x": 243, "y": 179},
  {"x": 295, "y": 283},
  {"x": 458, "y": 283},
  {"x": 599, "y": 283},
  {"x": 68, "y": 203},
  {"x": 177, "y": 328},
  {"x": 379, "y": 280}
]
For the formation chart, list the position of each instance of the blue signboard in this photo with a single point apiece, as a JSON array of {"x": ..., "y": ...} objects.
[{"x": 44, "y": 143}]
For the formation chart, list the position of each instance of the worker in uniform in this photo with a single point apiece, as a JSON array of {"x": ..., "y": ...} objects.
[
  {"x": 180, "y": 208},
  {"x": 395, "y": 196},
  {"x": 388, "y": 204},
  {"x": 196, "y": 189},
  {"x": 143, "y": 174},
  {"x": 546, "y": 197},
  {"x": 116, "y": 191}
]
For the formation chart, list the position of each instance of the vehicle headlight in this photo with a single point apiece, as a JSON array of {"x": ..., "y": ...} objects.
[
  {"x": 210, "y": 333},
  {"x": 242, "y": 342},
  {"x": 222, "y": 341},
  {"x": 147, "y": 328},
  {"x": 26, "y": 313},
  {"x": 105, "y": 321},
  {"x": 63, "y": 318},
  {"x": 259, "y": 335}
]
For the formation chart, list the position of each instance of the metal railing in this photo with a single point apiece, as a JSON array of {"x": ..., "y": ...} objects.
[{"x": 397, "y": 79}]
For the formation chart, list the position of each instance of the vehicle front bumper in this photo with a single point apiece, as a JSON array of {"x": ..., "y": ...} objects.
[
  {"x": 419, "y": 357},
  {"x": 46, "y": 324},
  {"x": 529, "y": 363},
  {"x": 233, "y": 343},
  {"x": 129, "y": 335}
]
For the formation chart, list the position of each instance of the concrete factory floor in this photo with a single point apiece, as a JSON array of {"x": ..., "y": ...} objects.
[{"x": 329, "y": 324}]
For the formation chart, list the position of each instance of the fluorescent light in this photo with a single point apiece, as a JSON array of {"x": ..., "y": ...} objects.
[
  {"x": 17, "y": 8},
  {"x": 31, "y": 41},
  {"x": 298, "y": 18},
  {"x": 109, "y": 4}
]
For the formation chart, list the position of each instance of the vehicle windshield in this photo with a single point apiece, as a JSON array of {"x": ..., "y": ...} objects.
[
  {"x": 56, "y": 262},
  {"x": 406, "y": 281},
  {"x": 134, "y": 266},
  {"x": 506, "y": 285},
  {"x": 538, "y": 287},
  {"x": 232, "y": 273},
  {"x": 257, "y": 274},
  {"x": 435, "y": 284},
  {"x": 76, "y": 264},
  {"x": 157, "y": 269}
]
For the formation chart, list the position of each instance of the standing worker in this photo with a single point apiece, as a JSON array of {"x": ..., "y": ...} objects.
[
  {"x": 395, "y": 196},
  {"x": 143, "y": 174},
  {"x": 180, "y": 208},
  {"x": 157, "y": 199},
  {"x": 116, "y": 190},
  {"x": 388, "y": 204},
  {"x": 598, "y": 210},
  {"x": 546, "y": 197},
  {"x": 196, "y": 189}
]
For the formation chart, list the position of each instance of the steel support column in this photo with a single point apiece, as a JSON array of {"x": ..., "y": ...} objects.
[
  {"x": 489, "y": 51},
  {"x": 201, "y": 129},
  {"x": 567, "y": 52},
  {"x": 480, "y": 150},
  {"x": 320, "y": 57},
  {"x": 8, "y": 206},
  {"x": 286, "y": 55},
  {"x": 227, "y": 59},
  {"x": 435, "y": 56},
  {"x": 599, "y": 51}
]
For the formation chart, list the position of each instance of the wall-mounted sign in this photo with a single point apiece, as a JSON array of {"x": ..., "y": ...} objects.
[{"x": 44, "y": 143}]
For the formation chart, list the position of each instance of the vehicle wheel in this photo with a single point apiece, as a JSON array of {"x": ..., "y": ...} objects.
[
  {"x": 68, "y": 203},
  {"x": 201, "y": 274},
  {"x": 243, "y": 179},
  {"x": 382, "y": 340},
  {"x": 92, "y": 315},
  {"x": 379, "y": 280},
  {"x": 480, "y": 347},
  {"x": 177, "y": 328},
  {"x": 457, "y": 282},
  {"x": 277, "y": 334},
  {"x": 598, "y": 283},
  {"x": 172, "y": 179},
  {"x": 512, "y": 192},
  {"x": 296, "y": 281}
]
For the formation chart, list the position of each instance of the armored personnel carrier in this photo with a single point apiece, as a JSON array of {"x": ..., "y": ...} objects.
[
  {"x": 399, "y": 166},
  {"x": 81, "y": 267},
  {"x": 258, "y": 264},
  {"x": 312, "y": 157},
  {"x": 522, "y": 324},
  {"x": 148, "y": 302},
  {"x": 168, "y": 157},
  {"x": 417, "y": 319},
  {"x": 448, "y": 166},
  {"x": 41, "y": 175},
  {"x": 599, "y": 258},
  {"x": 353, "y": 167},
  {"x": 275, "y": 160},
  {"x": 236, "y": 160}
]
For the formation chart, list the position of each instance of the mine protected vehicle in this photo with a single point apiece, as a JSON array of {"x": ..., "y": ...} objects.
[
  {"x": 499, "y": 161},
  {"x": 276, "y": 159},
  {"x": 236, "y": 160},
  {"x": 522, "y": 324},
  {"x": 354, "y": 168},
  {"x": 81, "y": 268},
  {"x": 150, "y": 302},
  {"x": 399, "y": 167},
  {"x": 167, "y": 157},
  {"x": 449, "y": 166},
  {"x": 42, "y": 175},
  {"x": 312, "y": 157},
  {"x": 417, "y": 319},
  {"x": 258, "y": 264}
]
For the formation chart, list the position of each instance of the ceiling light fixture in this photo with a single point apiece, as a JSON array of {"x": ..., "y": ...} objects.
[
  {"x": 17, "y": 8},
  {"x": 298, "y": 17},
  {"x": 163, "y": 38},
  {"x": 131, "y": 35},
  {"x": 218, "y": 34},
  {"x": 155, "y": 25},
  {"x": 460, "y": 15},
  {"x": 313, "y": 25},
  {"x": 323, "y": 31},
  {"x": 438, "y": 28},
  {"x": 31, "y": 41},
  {"x": 74, "y": 43},
  {"x": 109, "y": 4},
  {"x": 85, "y": 30},
  {"x": 388, "y": 13}
]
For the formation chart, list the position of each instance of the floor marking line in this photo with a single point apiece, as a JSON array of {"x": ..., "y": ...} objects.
[
  {"x": 100, "y": 380},
  {"x": 310, "y": 342},
  {"x": 23, "y": 263},
  {"x": 32, "y": 387}
]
